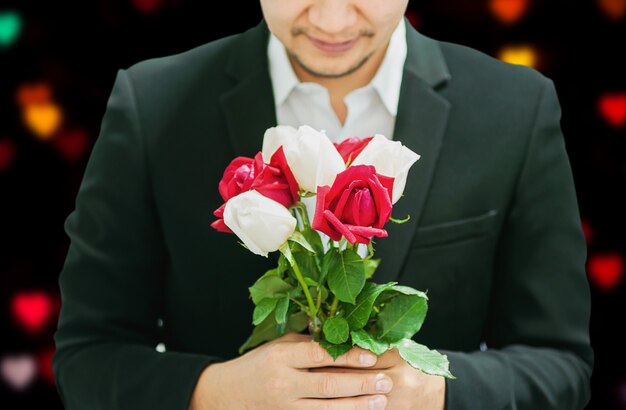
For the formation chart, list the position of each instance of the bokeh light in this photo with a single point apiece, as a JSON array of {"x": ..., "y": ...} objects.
[
  {"x": 10, "y": 28},
  {"x": 612, "y": 108},
  {"x": 613, "y": 9},
  {"x": 32, "y": 309},
  {"x": 508, "y": 11},
  {"x": 606, "y": 270},
  {"x": 522, "y": 54}
]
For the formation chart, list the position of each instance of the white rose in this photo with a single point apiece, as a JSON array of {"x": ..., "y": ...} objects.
[
  {"x": 312, "y": 157},
  {"x": 391, "y": 159},
  {"x": 261, "y": 223}
]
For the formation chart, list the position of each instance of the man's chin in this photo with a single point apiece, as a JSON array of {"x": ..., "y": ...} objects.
[{"x": 336, "y": 71}]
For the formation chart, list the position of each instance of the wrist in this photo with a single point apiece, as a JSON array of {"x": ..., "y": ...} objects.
[{"x": 206, "y": 394}]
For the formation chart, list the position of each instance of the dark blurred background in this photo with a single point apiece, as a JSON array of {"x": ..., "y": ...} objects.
[{"x": 58, "y": 61}]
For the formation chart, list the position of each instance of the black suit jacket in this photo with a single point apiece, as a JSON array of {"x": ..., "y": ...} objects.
[{"x": 494, "y": 235}]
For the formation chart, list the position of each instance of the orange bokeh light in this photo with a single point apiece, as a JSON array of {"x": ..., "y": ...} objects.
[{"x": 508, "y": 11}]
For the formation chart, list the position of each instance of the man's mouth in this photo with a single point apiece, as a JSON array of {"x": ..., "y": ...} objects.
[{"x": 333, "y": 47}]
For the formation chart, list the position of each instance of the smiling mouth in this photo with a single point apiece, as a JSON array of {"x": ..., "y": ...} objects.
[{"x": 333, "y": 47}]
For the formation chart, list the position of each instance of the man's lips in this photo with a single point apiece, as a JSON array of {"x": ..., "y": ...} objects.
[{"x": 333, "y": 47}]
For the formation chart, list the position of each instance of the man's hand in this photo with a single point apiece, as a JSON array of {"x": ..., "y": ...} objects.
[
  {"x": 412, "y": 389},
  {"x": 281, "y": 374}
]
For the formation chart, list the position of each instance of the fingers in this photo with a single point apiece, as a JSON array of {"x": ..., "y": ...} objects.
[
  {"x": 378, "y": 402},
  {"x": 308, "y": 354},
  {"x": 334, "y": 385}
]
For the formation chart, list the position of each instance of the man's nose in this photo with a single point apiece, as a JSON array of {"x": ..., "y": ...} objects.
[{"x": 333, "y": 16}]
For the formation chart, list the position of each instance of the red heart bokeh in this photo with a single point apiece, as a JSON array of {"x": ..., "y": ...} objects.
[
  {"x": 32, "y": 309},
  {"x": 606, "y": 270},
  {"x": 72, "y": 144},
  {"x": 612, "y": 108}
]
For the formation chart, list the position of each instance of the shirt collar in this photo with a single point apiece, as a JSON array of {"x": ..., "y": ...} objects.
[{"x": 386, "y": 81}]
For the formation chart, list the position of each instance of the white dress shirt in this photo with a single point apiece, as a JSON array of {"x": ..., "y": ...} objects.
[{"x": 372, "y": 109}]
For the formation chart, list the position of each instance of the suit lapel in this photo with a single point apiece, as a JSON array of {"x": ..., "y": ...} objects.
[
  {"x": 248, "y": 106},
  {"x": 420, "y": 125}
]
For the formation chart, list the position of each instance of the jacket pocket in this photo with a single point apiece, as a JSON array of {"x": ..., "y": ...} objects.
[{"x": 455, "y": 231}]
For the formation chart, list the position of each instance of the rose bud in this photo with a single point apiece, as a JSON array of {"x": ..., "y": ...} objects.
[
  {"x": 261, "y": 223},
  {"x": 390, "y": 158},
  {"x": 350, "y": 147},
  {"x": 356, "y": 206}
]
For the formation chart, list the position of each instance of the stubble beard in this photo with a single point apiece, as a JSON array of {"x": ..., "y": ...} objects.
[{"x": 319, "y": 74}]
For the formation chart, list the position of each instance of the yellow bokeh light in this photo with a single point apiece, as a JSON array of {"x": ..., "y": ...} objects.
[
  {"x": 521, "y": 54},
  {"x": 43, "y": 120}
]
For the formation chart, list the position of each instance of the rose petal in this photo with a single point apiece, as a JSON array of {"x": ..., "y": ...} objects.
[
  {"x": 220, "y": 226},
  {"x": 339, "y": 226}
]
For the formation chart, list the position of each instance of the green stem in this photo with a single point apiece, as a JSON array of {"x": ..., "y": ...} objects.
[
  {"x": 299, "y": 304},
  {"x": 333, "y": 307},
  {"x": 305, "y": 288},
  {"x": 319, "y": 299}
]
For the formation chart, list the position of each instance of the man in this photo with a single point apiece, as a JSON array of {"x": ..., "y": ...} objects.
[{"x": 494, "y": 233}]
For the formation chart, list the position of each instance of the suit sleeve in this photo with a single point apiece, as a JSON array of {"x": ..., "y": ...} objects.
[
  {"x": 538, "y": 352},
  {"x": 111, "y": 281}
]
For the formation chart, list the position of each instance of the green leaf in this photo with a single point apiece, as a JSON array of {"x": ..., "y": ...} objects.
[
  {"x": 281, "y": 309},
  {"x": 346, "y": 275},
  {"x": 267, "y": 287},
  {"x": 324, "y": 293},
  {"x": 307, "y": 264},
  {"x": 313, "y": 237},
  {"x": 401, "y": 317},
  {"x": 261, "y": 333},
  {"x": 335, "y": 350},
  {"x": 409, "y": 291},
  {"x": 271, "y": 272},
  {"x": 295, "y": 292},
  {"x": 336, "y": 330},
  {"x": 310, "y": 281},
  {"x": 364, "y": 340},
  {"x": 263, "y": 309},
  {"x": 283, "y": 264},
  {"x": 370, "y": 267},
  {"x": 268, "y": 330},
  {"x": 326, "y": 264},
  {"x": 286, "y": 251},
  {"x": 400, "y": 221},
  {"x": 298, "y": 238},
  {"x": 424, "y": 359},
  {"x": 298, "y": 322},
  {"x": 358, "y": 314}
]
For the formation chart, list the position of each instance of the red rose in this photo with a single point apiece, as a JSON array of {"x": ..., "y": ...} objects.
[
  {"x": 351, "y": 147},
  {"x": 357, "y": 206},
  {"x": 274, "y": 180},
  {"x": 238, "y": 177}
]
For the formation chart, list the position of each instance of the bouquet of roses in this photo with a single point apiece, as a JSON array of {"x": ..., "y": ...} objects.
[{"x": 321, "y": 281}]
